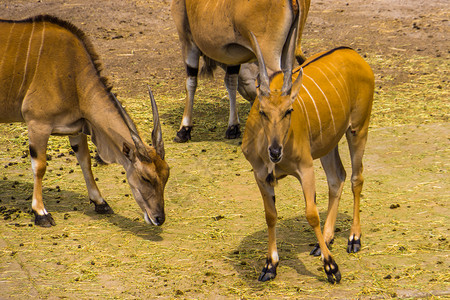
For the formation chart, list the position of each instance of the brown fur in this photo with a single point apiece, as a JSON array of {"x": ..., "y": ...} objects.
[
  {"x": 78, "y": 33},
  {"x": 331, "y": 96}
]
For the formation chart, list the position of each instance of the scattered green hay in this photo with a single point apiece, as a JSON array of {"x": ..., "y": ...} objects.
[{"x": 420, "y": 99}]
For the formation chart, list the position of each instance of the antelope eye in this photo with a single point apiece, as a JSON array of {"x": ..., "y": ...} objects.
[
  {"x": 146, "y": 180},
  {"x": 288, "y": 112},
  {"x": 263, "y": 114}
]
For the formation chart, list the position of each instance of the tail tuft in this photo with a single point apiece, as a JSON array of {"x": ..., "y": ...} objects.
[{"x": 207, "y": 70}]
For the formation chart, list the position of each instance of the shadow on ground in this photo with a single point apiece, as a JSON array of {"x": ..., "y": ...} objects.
[
  {"x": 210, "y": 118},
  {"x": 16, "y": 198},
  {"x": 294, "y": 237}
]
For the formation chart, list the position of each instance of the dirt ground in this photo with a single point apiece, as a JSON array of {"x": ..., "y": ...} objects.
[{"x": 213, "y": 243}]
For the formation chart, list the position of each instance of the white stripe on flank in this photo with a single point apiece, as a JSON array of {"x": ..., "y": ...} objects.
[
  {"x": 326, "y": 99},
  {"x": 26, "y": 60},
  {"x": 40, "y": 51},
  {"x": 6, "y": 47},
  {"x": 317, "y": 111},
  {"x": 303, "y": 107},
  {"x": 332, "y": 84},
  {"x": 344, "y": 86},
  {"x": 15, "y": 63}
]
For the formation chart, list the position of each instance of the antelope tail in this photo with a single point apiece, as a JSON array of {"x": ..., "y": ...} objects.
[{"x": 209, "y": 65}]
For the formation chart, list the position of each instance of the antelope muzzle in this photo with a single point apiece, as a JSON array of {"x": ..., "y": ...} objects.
[{"x": 275, "y": 152}]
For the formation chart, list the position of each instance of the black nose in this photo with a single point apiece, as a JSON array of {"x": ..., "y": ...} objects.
[
  {"x": 275, "y": 153},
  {"x": 159, "y": 220}
]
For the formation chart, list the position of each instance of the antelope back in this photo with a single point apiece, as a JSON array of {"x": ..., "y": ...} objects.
[
  {"x": 337, "y": 92},
  {"x": 35, "y": 52}
]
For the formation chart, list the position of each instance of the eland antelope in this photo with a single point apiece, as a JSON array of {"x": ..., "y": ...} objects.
[
  {"x": 50, "y": 79},
  {"x": 219, "y": 31},
  {"x": 293, "y": 123}
]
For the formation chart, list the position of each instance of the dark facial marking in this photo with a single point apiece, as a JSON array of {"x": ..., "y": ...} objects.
[
  {"x": 270, "y": 178},
  {"x": 263, "y": 114},
  {"x": 273, "y": 199},
  {"x": 288, "y": 112},
  {"x": 33, "y": 152},
  {"x": 146, "y": 180}
]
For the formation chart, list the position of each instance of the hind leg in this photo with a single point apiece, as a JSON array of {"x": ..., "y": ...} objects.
[
  {"x": 306, "y": 177},
  {"x": 231, "y": 82},
  {"x": 191, "y": 55},
  {"x": 335, "y": 173},
  {"x": 80, "y": 147},
  {"x": 38, "y": 135},
  {"x": 356, "y": 143}
]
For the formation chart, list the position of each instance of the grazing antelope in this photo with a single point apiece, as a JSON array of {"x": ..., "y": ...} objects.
[
  {"x": 219, "y": 31},
  {"x": 50, "y": 79},
  {"x": 293, "y": 123}
]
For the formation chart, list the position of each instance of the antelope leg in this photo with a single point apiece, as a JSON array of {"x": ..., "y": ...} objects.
[
  {"x": 356, "y": 144},
  {"x": 80, "y": 147},
  {"x": 231, "y": 82},
  {"x": 268, "y": 194},
  {"x": 308, "y": 183},
  {"x": 38, "y": 135},
  {"x": 192, "y": 55},
  {"x": 335, "y": 173}
]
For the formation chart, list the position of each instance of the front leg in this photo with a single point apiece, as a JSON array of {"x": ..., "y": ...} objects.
[
  {"x": 307, "y": 180},
  {"x": 80, "y": 147},
  {"x": 268, "y": 194}
]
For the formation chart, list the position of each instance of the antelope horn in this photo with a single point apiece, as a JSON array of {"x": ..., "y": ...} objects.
[
  {"x": 157, "y": 139},
  {"x": 140, "y": 147},
  {"x": 288, "y": 57},
  {"x": 263, "y": 76}
]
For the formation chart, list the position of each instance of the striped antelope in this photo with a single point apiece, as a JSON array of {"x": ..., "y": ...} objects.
[
  {"x": 219, "y": 31},
  {"x": 293, "y": 123},
  {"x": 50, "y": 79}
]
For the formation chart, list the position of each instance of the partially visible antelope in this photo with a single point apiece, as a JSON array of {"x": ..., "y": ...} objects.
[
  {"x": 50, "y": 79},
  {"x": 301, "y": 116},
  {"x": 220, "y": 32}
]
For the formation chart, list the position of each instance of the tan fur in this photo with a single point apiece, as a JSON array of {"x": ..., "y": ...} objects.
[
  {"x": 50, "y": 79},
  {"x": 221, "y": 30},
  {"x": 333, "y": 97}
]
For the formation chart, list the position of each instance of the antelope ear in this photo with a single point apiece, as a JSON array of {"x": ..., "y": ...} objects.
[
  {"x": 297, "y": 85},
  {"x": 128, "y": 152}
]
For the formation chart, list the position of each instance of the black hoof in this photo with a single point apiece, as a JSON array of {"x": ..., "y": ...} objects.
[
  {"x": 44, "y": 220},
  {"x": 316, "y": 250},
  {"x": 269, "y": 271},
  {"x": 332, "y": 270},
  {"x": 233, "y": 132},
  {"x": 354, "y": 245},
  {"x": 183, "y": 135},
  {"x": 103, "y": 209}
]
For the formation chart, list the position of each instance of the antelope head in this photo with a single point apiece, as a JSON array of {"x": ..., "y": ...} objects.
[
  {"x": 275, "y": 104},
  {"x": 147, "y": 172}
]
